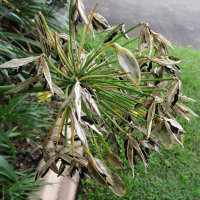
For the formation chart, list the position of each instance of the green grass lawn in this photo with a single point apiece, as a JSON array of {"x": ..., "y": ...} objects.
[{"x": 176, "y": 175}]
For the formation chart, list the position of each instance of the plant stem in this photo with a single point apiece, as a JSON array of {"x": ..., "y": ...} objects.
[
  {"x": 53, "y": 42},
  {"x": 83, "y": 41},
  {"x": 114, "y": 123},
  {"x": 70, "y": 32},
  {"x": 134, "y": 27},
  {"x": 56, "y": 69},
  {"x": 47, "y": 28},
  {"x": 103, "y": 76}
]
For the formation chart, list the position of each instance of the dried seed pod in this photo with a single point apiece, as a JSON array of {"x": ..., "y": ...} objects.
[
  {"x": 72, "y": 168},
  {"x": 163, "y": 61},
  {"x": 118, "y": 188},
  {"x": 128, "y": 63},
  {"x": 99, "y": 22},
  {"x": 159, "y": 37},
  {"x": 114, "y": 160},
  {"x": 81, "y": 10},
  {"x": 185, "y": 110},
  {"x": 114, "y": 181},
  {"x": 165, "y": 138},
  {"x": 130, "y": 155},
  {"x": 173, "y": 128},
  {"x": 85, "y": 118},
  {"x": 111, "y": 36},
  {"x": 185, "y": 98},
  {"x": 175, "y": 98},
  {"x": 150, "y": 116},
  {"x": 171, "y": 93},
  {"x": 94, "y": 172},
  {"x": 145, "y": 39},
  {"x": 118, "y": 31},
  {"x": 42, "y": 172}
]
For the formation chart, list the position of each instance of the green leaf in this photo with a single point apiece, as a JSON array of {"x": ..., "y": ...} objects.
[{"x": 6, "y": 170}]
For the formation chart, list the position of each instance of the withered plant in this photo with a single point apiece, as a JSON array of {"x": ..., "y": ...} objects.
[{"x": 119, "y": 105}]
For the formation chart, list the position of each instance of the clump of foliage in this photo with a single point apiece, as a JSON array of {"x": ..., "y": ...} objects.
[
  {"x": 22, "y": 125},
  {"x": 117, "y": 103}
]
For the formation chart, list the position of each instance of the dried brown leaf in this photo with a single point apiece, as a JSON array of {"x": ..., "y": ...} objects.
[
  {"x": 77, "y": 102},
  {"x": 19, "y": 62},
  {"x": 80, "y": 132},
  {"x": 21, "y": 86},
  {"x": 58, "y": 91},
  {"x": 47, "y": 73},
  {"x": 89, "y": 101},
  {"x": 53, "y": 165}
]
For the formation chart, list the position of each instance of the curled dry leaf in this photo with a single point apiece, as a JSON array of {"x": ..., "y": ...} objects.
[
  {"x": 114, "y": 160},
  {"x": 128, "y": 63},
  {"x": 47, "y": 73},
  {"x": 19, "y": 62}
]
